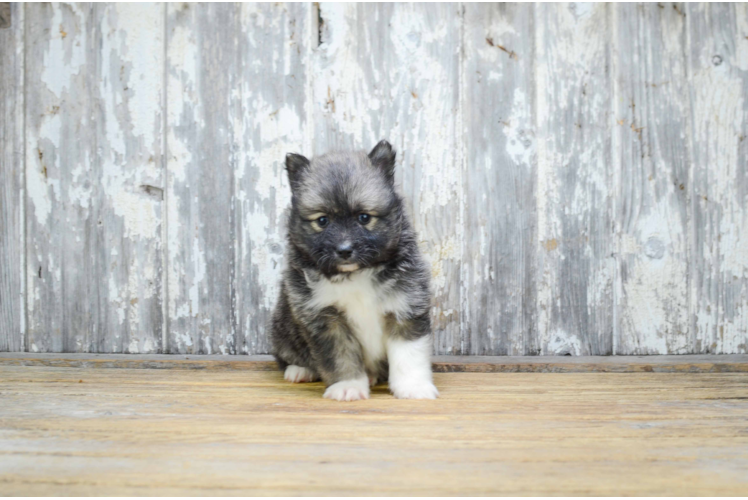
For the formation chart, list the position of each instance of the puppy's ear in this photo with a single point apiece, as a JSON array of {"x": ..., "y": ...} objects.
[
  {"x": 296, "y": 165},
  {"x": 383, "y": 157}
]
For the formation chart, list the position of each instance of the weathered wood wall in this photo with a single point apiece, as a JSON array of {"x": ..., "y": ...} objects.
[
  {"x": 12, "y": 317},
  {"x": 578, "y": 173}
]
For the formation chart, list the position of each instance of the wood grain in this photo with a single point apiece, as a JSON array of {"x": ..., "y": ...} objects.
[
  {"x": 93, "y": 177},
  {"x": 651, "y": 165},
  {"x": 236, "y": 105},
  {"x": 275, "y": 119},
  {"x": 718, "y": 63},
  {"x": 203, "y": 102},
  {"x": 576, "y": 264},
  {"x": 391, "y": 71},
  {"x": 500, "y": 179},
  {"x": 143, "y": 432},
  {"x": 12, "y": 308}
]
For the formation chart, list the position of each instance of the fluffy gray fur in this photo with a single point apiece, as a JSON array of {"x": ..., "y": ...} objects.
[{"x": 345, "y": 214}]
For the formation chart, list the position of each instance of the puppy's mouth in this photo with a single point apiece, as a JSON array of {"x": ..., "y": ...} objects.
[{"x": 347, "y": 268}]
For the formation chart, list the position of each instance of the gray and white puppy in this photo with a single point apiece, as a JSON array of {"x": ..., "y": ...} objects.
[{"x": 355, "y": 297}]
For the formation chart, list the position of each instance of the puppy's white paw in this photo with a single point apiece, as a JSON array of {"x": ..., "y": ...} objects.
[
  {"x": 414, "y": 390},
  {"x": 348, "y": 390},
  {"x": 299, "y": 374}
]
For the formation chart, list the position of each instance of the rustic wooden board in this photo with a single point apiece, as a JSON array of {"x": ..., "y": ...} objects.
[
  {"x": 12, "y": 310},
  {"x": 499, "y": 179},
  {"x": 144, "y": 432},
  {"x": 651, "y": 165},
  {"x": 704, "y": 363},
  {"x": 391, "y": 71},
  {"x": 718, "y": 63},
  {"x": 93, "y": 177},
  {"x": 274, "y": 120},
  {"x": 203, "y": 100},
  {"x": 576, "y": 263},
  {"x": 236, "y": 105}
]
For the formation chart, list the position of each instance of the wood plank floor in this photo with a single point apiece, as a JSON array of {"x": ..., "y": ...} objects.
[{"x": 87, "y": 431}]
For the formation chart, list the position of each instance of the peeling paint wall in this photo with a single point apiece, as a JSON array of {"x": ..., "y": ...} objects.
[
  {"x": 93, "y": 177},
  {"x": 577, "y": 173}
]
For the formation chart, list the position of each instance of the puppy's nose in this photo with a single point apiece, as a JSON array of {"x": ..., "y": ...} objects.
[{"x": 344, "y": 250}]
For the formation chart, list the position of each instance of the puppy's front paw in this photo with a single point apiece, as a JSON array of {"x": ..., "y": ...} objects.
[
  {"x": 414, "y": 390},
  {"x": 299, "y": 374},
  {"x": 348, "y": 390}
]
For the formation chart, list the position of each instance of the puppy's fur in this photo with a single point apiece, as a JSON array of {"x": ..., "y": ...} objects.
[{"x": 355, "y": 297}]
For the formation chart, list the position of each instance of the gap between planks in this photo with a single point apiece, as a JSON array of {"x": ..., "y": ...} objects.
[{"x": 441, "y": 364}]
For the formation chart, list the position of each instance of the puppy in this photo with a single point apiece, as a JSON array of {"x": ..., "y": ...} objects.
[{"x": 355, "y": 296}]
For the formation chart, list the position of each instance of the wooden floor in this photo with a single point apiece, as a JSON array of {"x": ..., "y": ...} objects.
[{"x": 94, "y": 431}]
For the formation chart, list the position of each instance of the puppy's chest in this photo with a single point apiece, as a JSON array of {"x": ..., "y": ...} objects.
[{"x": 365, "y": 303}]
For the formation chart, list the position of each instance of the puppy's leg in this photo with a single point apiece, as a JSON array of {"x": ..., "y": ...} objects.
[
  {"x": 299, "y": 374},
  {"x": 339, "y": 357},
  {"x": 347, "y": 380},
  {"x": 409, "y": 356},
  {"x": 289, "y": 348}
]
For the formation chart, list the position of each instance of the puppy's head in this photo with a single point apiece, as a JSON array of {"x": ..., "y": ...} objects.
[{"x": 345, "y": 214}]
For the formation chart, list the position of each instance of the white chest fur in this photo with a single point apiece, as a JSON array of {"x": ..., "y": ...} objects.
[{"x": 365, "y": 304}]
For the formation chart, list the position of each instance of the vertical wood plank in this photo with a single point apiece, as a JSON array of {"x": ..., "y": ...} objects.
[
  {"x": 500, "y": 178},
  {"x": 236, "y": 105},
  {"x": 392, "y": 71},
  {"x": 651, "y": 171},
  {"x": 575, "y": 210},
  {"x": 271, "y": 122},
  {"x": 12, "y": 307},
  {"x": 93, "y": 178},
  {"x": 202, "y": 102},
  {"x": 718, "y": 63}
]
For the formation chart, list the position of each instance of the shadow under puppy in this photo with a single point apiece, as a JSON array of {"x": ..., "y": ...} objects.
[{"x": 355, "y": 296}]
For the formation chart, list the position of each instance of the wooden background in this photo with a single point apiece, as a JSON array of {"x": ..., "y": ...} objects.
[{"x": 578, "y": 173}]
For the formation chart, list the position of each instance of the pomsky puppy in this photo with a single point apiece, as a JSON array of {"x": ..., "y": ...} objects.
[{"x": 355, "y": 297}]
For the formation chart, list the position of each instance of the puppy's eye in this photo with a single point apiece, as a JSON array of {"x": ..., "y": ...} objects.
[
  {"x": 323, "y": 221},
  {"x": 364, "y": 218}
]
